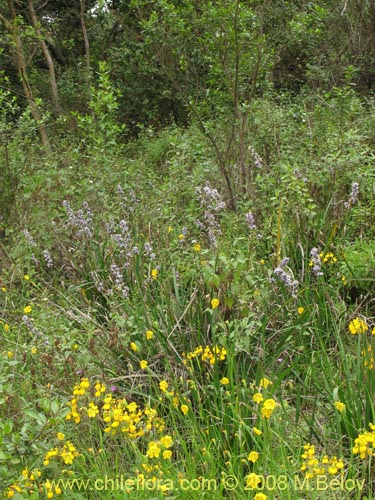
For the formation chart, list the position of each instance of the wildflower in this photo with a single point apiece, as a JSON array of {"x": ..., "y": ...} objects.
[
  {"x": 215, "y": 303},
  {"x": 10, "y": 354},
  {"x": 93, "y": 410},
  {"x": 344, "y": 280},
  {"x": 143, "y": 364},
  {"x": 252, "y": 480},
  {"x": 3, "y": 289},
  {"x": 253, "y": 456},
  {"x": 26, "y": 277},
  {"x": 258, "y": 162},
  {"x": 224, "y": 381},
  {"x": 6, "y": 327},
  {"x": 197, "y": 247},
  {"x": 364, "y": 444},
  {"x": 257, "y": 431},
  {"x": 134, "y": 346},
  {"x": 260, "y": 496},
  {"x": 99, "y": 389},
  {"x": 154, "y": 274},
  {"x": 250, "y": 220},
  {"x": 27, "y": 309},
  {"x": 315, "y": 262},
  {"x": 268, "y": 407},
  {"x": 34, "y": 350},
  {"x": 258, "y": 397},
  {"x": 153, "y": 450},
  {"x": 167, "y": 454},
  {"x": 300, "y": 310},
  {"x": 166, "y": 441},
  {"x": 357, "y": 325},
  {"x": 264, "y": 382},
  {"x": 286, "y": 277},
  {"x": 353, "y": 195},
  {"x": 47, "y": 258},
  {"x": 170, "y": 229},
  {"x": 181, "y": 237},
  {"x": 163, "y": 385},
  {"x": 60, "y": 436},
  {"x": 75, "y": 346},
  {"x": 149, "y": 334},
  {"x": 184, "y": 409},
  {"x": 262, "y": 262},
  {"x": 340, "y": 406}
]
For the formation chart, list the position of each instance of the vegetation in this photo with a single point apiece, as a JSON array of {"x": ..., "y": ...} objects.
[{"x": 187, "y": 248}]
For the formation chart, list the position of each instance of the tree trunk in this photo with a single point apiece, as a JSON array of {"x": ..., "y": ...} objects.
[
  {"x": 86, "y": 41},
  {"x": 22, "y": 70},
  {"x": 47, "y": 55}
]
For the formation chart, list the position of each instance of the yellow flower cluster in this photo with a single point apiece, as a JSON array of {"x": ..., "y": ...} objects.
[
  {"x": 67, "y": 452},
  {"x": 163, "y": 445},
  {"x": 28, "y": 483},
  {"x": 252, "y": 480},
  {"x": 329, "y": 258},
  {"x": 312, "y": 466},
  {"x": 208, "y": 354},
  {"x": 368, "y": 358},
  {"x": 117, "y": 414},
  {"x": 268, "y": 407},
  {"x": 364, "y": 444},
  {"x": 358, "y": 326}
]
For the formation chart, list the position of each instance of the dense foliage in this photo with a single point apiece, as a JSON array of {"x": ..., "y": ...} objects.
[{"x": 187, "y": 249}]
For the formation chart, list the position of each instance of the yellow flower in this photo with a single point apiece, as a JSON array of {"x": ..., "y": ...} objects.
[
  {"x": 34, "y": 350},
  {"x": 153, "y": 450},
  {"x": 149, "y": 334},
  {"x": 154, "y": 274},
  {"x": 181, "y": 237},
  {"x": 268, "y": 407},
  {"x": 167, "y": 454},
  {"x": 26, "y": 277},
  {"x": 27, "y": 309},
  {"x": 258, "y": 397},
  {"x": 260, "y": 496},
  {"x": 166, "y": 441},
  {"x": 253, "y": 456},
  {"x": 252, "y": 480},
  {"x": 6, "y": 327},
  {"x": 224, "y": 381},
  {"x": 257, "y": 431},
  {"x": 170, "y": 229},
  {"x": 60, "y": 436},
  {"x": 134, "y": 346},
  {"x": 215, "y": 303},
  {"x": 197, "y": 247},
  {"x": 373, "y": 330},
  {"x": 75, "y": 346},
  {"x": 358, "y": 325},
  {"x": 143, "y": 364},
  {"x": 300, "y": 310},
  {"x": 340, "y": 406},
  {"x": 163, "y": 385},
  {"x": 3, "y": 289},
  {"x": 184, "y": 409},
  {"x": 93, "y": 410},
  {"x": 262, "y": 262},
  {"x": 10, "y": 354},
  {"x": 264, "y": 382}
]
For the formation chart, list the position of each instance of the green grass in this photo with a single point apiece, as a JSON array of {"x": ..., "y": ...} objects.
[{"x": 87, "y": 315}]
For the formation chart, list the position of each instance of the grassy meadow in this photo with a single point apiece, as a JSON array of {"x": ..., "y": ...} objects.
[{"x": 156, "y": 344}]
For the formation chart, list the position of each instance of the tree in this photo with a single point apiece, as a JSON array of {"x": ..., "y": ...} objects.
[{"x": 12, "y": 28}]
